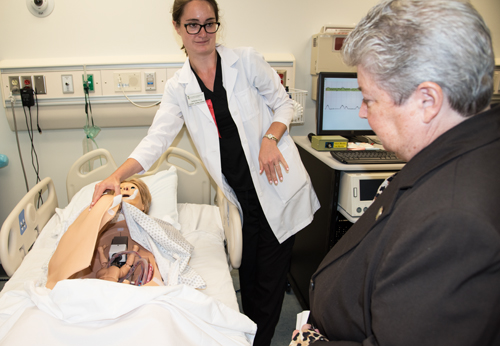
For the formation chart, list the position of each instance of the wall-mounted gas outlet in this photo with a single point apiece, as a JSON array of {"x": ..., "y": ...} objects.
[
  {"x": 15, "y": 84},
  {"x": 67, "y": 84},
  {"x": 89, "y": 81}
]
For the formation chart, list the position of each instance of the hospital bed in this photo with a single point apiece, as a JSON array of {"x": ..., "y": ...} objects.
[{"x": 81, "y": 312}]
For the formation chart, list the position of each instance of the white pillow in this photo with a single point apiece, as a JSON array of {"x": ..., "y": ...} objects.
[{"x": 163, "y": 188}]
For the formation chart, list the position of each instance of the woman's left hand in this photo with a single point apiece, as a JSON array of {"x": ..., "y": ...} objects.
[{"x": 270, "y": 161}]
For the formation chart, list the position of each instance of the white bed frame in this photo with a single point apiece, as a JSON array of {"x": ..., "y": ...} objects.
[{"x": 194, "y": 186}]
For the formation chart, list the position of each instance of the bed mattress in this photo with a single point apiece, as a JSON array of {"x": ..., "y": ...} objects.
[{"x": 179, "y": 315}]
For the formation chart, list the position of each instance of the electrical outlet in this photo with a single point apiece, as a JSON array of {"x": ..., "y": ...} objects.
[
  {"x": 26, "y": 82},
  {"x": 15, "y": 85}
]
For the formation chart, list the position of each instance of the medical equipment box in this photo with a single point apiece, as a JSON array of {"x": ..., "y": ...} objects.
[
  {"x": 328, "y": 143},
  {"x": 118, "y": 244},
  {"x": 357, "y": 191},
  {"x": 325, "y": 52}
]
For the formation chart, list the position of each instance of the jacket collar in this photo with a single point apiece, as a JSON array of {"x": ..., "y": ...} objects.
[
  {"x": 229, "y": 73},
  {"x": 452, "y": 144}
]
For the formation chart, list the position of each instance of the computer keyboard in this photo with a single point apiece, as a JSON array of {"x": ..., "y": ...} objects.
[{"x": 365, "y": 156}]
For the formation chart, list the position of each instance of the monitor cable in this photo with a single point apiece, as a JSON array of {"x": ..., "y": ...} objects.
[
  {"x": 37, "y": 118},
  {"x": 91, "y": 132},
  {"x": 28, "y": 100},
  {"x": 12, "y": 100},
  {"x": 34, "y": 155},
  {"x": 120, "y": 84}
]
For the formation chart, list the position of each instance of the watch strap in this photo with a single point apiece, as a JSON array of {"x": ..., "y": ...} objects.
[{"x": 272, "y": 137}]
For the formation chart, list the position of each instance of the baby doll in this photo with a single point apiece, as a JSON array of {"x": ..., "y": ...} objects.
[{"x": 112, "y": 272}]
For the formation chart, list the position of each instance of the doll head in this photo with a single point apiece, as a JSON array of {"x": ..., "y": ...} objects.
[{"x": 136, "y": 192}]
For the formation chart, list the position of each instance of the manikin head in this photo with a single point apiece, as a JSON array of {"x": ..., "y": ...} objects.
[{"x": 136, "y": 193}]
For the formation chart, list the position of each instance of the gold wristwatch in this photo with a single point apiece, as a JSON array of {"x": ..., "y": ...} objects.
[{"x": 271, "y": 136}]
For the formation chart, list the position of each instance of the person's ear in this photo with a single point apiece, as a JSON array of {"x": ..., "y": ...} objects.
[
  {"x": 176, "y": 27},
  {"x": 431, "y": 98}
]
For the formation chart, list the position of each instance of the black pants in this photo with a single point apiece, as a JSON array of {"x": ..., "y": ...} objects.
[{"x": 263, "y": 271}]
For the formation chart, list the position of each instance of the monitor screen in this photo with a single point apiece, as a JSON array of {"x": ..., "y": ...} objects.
[{"x": 338, "y": 104}]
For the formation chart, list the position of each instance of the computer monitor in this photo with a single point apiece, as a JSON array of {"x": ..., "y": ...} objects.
[{"x": 338, "y": 104}]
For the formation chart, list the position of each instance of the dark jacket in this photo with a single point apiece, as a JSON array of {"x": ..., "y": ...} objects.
[{"x": 422, "y": 265}]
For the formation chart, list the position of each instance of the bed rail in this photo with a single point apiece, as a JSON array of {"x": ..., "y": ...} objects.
[
  {"x": 77, "y": 179},
  {"x": 194, "y": 183},
  {"x": 24, "y": 224},
  {"x": 231, "y": 222}
]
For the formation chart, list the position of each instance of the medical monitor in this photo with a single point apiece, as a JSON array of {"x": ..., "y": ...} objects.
[{"x": 338, "y": 104}]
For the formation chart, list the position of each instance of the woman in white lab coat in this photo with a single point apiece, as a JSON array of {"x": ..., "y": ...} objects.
[{"x": 237, "y": 113}]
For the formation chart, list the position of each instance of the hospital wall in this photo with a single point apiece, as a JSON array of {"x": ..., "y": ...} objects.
[{"x": 121, "y": 28}]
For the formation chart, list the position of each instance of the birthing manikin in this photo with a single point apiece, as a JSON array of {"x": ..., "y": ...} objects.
[{"x": 91, "y": 246}]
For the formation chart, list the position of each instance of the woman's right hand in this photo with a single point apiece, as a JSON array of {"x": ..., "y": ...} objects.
[
  {"x": 110, "y": 183},
  {"x": 129, "y": 168}
]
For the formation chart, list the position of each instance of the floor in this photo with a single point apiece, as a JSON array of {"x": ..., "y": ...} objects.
[{"x": 286, "y": 325}]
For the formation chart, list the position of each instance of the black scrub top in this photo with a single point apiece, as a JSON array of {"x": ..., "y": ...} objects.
[{"x": 234, "y": 164}]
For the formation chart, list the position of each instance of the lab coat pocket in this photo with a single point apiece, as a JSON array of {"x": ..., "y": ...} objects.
[
  {"x": 247, "y": 104},
  {"x": 296, "y": 177}
]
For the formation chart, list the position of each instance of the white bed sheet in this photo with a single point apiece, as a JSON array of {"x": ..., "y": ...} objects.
[{"x": 180, "y": 315}]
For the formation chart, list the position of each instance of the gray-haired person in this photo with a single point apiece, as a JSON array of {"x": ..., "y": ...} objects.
[{"x": 422, "y": 265}]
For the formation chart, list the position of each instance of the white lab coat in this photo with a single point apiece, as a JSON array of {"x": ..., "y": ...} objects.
[{"x": 253, "y": 89}]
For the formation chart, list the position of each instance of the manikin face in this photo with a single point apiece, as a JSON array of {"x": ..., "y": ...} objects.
[
  {"x": 131, "y": 195},
  {"x": 198, "y": 12}
]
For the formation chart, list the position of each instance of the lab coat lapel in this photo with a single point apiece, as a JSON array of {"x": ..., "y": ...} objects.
[
  {"x": 229, "y": 73},
  {"x": 188, "y": 78},
  {"x": 207, "y": 148}
]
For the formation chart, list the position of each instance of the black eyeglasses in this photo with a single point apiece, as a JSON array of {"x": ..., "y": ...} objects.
[{"x": 194, "y": 28}]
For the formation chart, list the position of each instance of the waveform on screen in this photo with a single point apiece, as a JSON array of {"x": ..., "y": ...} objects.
[
  {"x": 331, "y": 108},
  {"x": 342, "y": 95}
]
